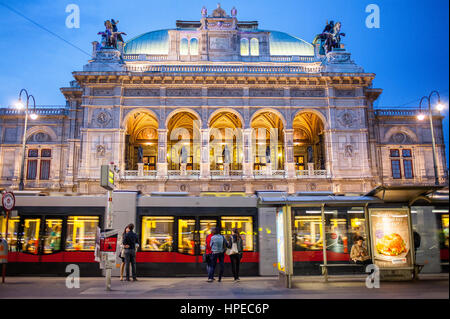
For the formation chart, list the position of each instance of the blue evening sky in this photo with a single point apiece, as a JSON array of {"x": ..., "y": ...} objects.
[{"x": 409, "y": 53}]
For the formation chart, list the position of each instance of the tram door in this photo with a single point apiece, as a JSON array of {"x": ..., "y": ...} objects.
[
  {"x": 192, "y": 233},
  {"x": 40, "y": 236}
]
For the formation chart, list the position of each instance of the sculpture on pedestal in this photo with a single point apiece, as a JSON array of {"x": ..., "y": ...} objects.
[
  {"x": 330, "y": 37},
  {"x": 111, "y": 36},
  {"x": 310, "y": 154},
  {"x": 268, "y": 160},
  {"x": 183, "y": 155},
  {"x": 140, "y": 154},
  {"x": 226, "y": 155}
]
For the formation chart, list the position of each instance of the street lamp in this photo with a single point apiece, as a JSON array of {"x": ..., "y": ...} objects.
[
  {"x": 33, "y": 116},
  {"x": 421, "y": 116}
]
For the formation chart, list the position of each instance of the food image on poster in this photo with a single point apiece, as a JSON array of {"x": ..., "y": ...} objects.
[{"x": 390, "y": 237}]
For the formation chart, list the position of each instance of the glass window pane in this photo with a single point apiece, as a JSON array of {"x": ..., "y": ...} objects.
[
  {"x": 337, "y": 241},
  {"x": 81, "y": 231},
  {"x": 157, "y": 233},
  {"x": 52, "y": 235},
  {"x": 184, "y": 46},
  {"x": 30, "y": 239},
  {"x": 33, "y": 153},
  {"x": 206, "y": 225},
  {"x": 244, "y": 47},
  {"x": 407, "y": 167},
  {"x": 46, "y": 153},
  {"x": 396, "y": 172},
  {"x": 13, "y": 228},
  {"x": 308, "y": 231},
  {"x": 254, "y": 47},
  {"x": 45, "y": 170},
  {"x": 194, "y": 46},
  {"x": 186, "y": 229},
  {"x": 32, "y": 169},
  {"x": 395, "y": 153},
  {"x": 245, "y": 227}
]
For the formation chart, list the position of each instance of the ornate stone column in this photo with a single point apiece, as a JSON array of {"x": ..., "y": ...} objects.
[
  {"x": 247, "y": 165},
  {"x": 162, "y": 153},
  {"x": 204, "y": 154},
  {"x": 289, "y": 165}
]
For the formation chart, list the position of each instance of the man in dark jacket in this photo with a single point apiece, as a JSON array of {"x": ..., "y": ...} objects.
[{"x": 129, "y": 244}]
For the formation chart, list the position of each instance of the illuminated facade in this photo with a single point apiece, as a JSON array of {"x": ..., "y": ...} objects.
[{"x": 217, "y": 74}]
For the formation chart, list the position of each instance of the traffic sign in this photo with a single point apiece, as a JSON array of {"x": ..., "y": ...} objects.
[
  {"x": 8, "y": 201},
  {"x": 107, "y": 177}
]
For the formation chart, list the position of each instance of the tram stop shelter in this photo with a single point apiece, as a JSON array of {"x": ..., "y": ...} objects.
[{"x": 307, "y": 220}]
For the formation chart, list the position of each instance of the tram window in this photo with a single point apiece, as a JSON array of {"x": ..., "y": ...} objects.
[
  {"x": 30, "y": 239},
  {"x": 157, "y": 233},
  {"x": 13, "y": 227},
  {"x": 81, "y": 231},
  {"x": 52, "y": 235},
  {"x": 206, "y": 225},
  {"x": 186, "y": 230},
  {"x": 244, "y": 226},
  {"x": 357, "y": 226},
  {"x": 444, "y": 231},
  {"x": 336, "y": 232},
  {"x": 308, "y": 234}
]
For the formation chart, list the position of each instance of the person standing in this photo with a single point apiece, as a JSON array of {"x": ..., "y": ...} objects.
[
  {"x": 122, "y": 255},
  {"x": 208, "y": 252},
  {"x": 218, "y": 247},
  {"x": 237, "y": 249},
  {"x": 129, "y": 244}
]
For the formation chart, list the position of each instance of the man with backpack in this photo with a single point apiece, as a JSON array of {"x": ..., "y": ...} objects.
[{"x": 218, "y": 246}]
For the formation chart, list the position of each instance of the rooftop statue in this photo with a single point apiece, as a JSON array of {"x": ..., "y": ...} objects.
[
  {"x": 219, "y": 12},
  {"x": 234, "y": 12},
  {"x": 204, "y": 12},
  {"x": 330, "y": 37},
  {"x": 111, "y": 35}
]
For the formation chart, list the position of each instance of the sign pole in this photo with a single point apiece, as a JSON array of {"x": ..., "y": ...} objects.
[{"x": 6, "y": 239}]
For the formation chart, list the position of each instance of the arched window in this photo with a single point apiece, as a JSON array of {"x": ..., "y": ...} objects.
[
  {"x": 194, "y": 46},
  {"x": 254, "y": 47},
  {"x": 184, "y": 46},
  {"x": 244, "y": 47}
]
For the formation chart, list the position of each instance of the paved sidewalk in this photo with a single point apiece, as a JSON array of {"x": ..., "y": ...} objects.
[{"x": 430, "y": 286}]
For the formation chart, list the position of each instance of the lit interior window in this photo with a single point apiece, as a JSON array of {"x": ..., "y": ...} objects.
[
  {"x": 157, "y": 233},
  {"x": 244, "y": 226},
  {"x": 244, "y": 47},
  {"x": 254, "y": 47},
  {"x": 81, "y": 231}
]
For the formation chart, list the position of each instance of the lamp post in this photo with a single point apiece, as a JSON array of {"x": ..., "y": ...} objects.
[
  {"x": 421, "y": 116},
  {"x": 33, "y": 116}
]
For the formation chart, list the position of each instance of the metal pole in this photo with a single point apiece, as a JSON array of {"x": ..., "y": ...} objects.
[
  {"x": 436, "y": 176},
  {"x": 22, "y": 166},
  {"x": 324, "y": 243},
  {"x": 108, "y": 277}
]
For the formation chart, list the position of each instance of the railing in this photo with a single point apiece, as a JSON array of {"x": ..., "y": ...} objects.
[
  {"x": 396, "y": 112},
  {"x": 176, "y": 174},
  {"x": 313, "y": 173},
  {"x": 39, "y": 111},
  {"x": 133, "y": 174},
  {"x": 268, "y": 174},
  {"x": 145, "y": 57},
  {"x": 315, "y": 68},
  {"x": 217, "y": 174},
  {"x": 292, "y": 58}
]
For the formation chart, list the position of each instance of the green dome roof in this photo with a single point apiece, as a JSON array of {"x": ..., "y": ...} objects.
[{"x": 157, "y": 42}]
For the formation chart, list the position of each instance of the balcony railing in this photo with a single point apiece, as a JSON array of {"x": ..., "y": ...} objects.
[
  {"x": 254, "y": 69},
  {"x": 313, "y": 173},
  {"x": 39, "y": 111},
  {"x": 133, "y": 174},
  {"x": 233, "y": 174},
  {"x": 268, "y": 174},
  {"x": 188, "y": 174}
]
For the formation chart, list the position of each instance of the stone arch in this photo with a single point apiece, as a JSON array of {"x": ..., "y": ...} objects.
[
  {"x": 402, "y": 129},
  {"x": 275, "y": 111},
  {"x": 181, "y": 110},
  {"x": 226, "y": 110},
  {"x": 138, "y": 110},
  {"x": 316, "y": 112},
  {"x": 42, "y": 129}
]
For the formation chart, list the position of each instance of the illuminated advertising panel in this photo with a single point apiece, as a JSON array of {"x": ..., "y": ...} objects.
[
  {"x": 281, "y": 258},
  {"x": 391, "y": 235}
]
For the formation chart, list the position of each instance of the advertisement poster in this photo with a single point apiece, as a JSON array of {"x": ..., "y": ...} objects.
[
  {"x": 391, "y": 245},
  {"x": 280, "y": 240}
]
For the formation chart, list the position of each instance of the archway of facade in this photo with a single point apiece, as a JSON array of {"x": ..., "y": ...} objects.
[
  {"x": 267, "y": 141},
  {"x": 183, "y": 141},
  {"x": 309, "y": 141},
  {"x": 225, "y": 141},
  {"x": 141, "y": 140}
]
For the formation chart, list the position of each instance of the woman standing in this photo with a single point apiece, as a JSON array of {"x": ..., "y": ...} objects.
[
  {"x": 237, "y": 248},
  {"x": 122, "y": 255}
]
